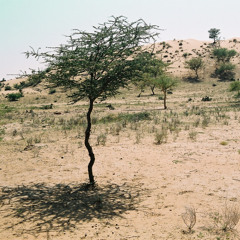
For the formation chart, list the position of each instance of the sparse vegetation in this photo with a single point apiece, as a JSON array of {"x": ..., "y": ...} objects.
[
  {"x": 161, "y": 136},
  {"x": 165, "y": 158},
  {"x": 189, "y": 217},
  {"x": 227, "y": 219}
]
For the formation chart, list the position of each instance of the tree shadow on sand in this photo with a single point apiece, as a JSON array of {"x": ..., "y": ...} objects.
[
  {"x": 191, "y": 80},
  {"x": 61, "y": 207}
]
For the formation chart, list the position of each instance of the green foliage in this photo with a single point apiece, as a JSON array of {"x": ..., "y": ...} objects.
[
  {"x": 52, "y": 91},
  {"x": 14, "y": 96},
  {"x": 35, "y": 78},
  {"x": 225, "y": 71},
  {"x": 223, "y": 54},
  {"x": 46, "y": 107},
  {"x": 2, "y": 132},
  {"x": 214, "y": 34},
  {"x": 19, "y": 86},
  {"x": 4, "y": 109},
  {"x": 165, "y": 83},
  {"x": 8, "y": 88},
  {"x": 94, "y": 65},
  {"x": 235, "y": 86},
  {"x": 125, "y": 117},
  {"x": 150, "y": 67},
  {"x": 195, "y": 64}
]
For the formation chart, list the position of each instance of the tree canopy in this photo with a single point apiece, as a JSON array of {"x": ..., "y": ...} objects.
[
  {"x": 214, "y": 34},
  {"x": 164, "y": 83},
  {"x": 150, "y": 68},
  {"x": 195, "y": 64},
  {"x": 223, "y": 54}
]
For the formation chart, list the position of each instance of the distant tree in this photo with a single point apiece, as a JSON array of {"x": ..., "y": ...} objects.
[
  {"x": 94, "y": 65},
  {"x": 151, "y": 67},
  {"x": 224, "y": 69},
  {"x": 195, "y": 64},
  {"x": 223, "y": 54},
  {"x": 165, "y": 83},
  {"x": 214, "y": 34},
  {"x": 235, "y": 86}
]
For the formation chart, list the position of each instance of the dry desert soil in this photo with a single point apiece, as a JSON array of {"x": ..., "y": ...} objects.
[{"x": 159, "y": 172}]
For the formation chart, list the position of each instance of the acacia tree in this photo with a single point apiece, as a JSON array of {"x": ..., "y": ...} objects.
[
  {"x": 94, "y": 65},
  {"x": 214, "y": 34},
  {"x": 195, "y": 64},
  {"x": 224, "y": 55},
  {"x": 151, "y": 68},
  {"x": 165, "y": 83},
  {"x": 224, "y": 68}
]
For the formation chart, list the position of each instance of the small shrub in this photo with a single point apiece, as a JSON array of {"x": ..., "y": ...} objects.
[
  {"x": 14, "y": 133},
  {"x": 8, "y": 88},
  {"x": 205, "y": 122},
  {"x": 47, "y": 107},
  {"x": 101, "y": 139},
  {"x": 37, "y": 139},
  {"x": 29, "y": 141},
  {"x": 189, "y": 218},
  {"x": 196, "y": 122},
  {"x": 161, "y": 137},
  {"x": 192, "y": 135},
  {"x": 224, "y": 143},
  {"x": 227, "y": 219},
  {"x": 14, "y": 96},
  {"x": 52, "y": 91},
  {"x": 138, "y": 137}
]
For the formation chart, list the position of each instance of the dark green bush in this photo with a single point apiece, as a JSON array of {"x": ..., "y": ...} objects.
[
  {"x": 20, "y": 86},
  {"x": 52, "y": 91},
  {"x": 225, "y": 71},
  {"x": 47, "y": 107},
  {"x": 14, "y": 96},
  {"x": 7, "y": 88}
]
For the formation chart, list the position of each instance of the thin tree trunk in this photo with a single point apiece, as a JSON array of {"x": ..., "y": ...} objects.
[
  {"x": 152, "y": 89},
  {"x": 196, "y": 71},
  {"x": 87, "y": 144},
  {"x": 165, "y": 100},
  {"x": 139, "y": 95}
]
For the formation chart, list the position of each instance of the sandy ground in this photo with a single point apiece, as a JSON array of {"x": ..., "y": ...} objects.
[{"x": 143, "y": 189}]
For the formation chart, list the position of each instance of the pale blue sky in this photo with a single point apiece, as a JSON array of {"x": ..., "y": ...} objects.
[{"x": 41, "y": 23}]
